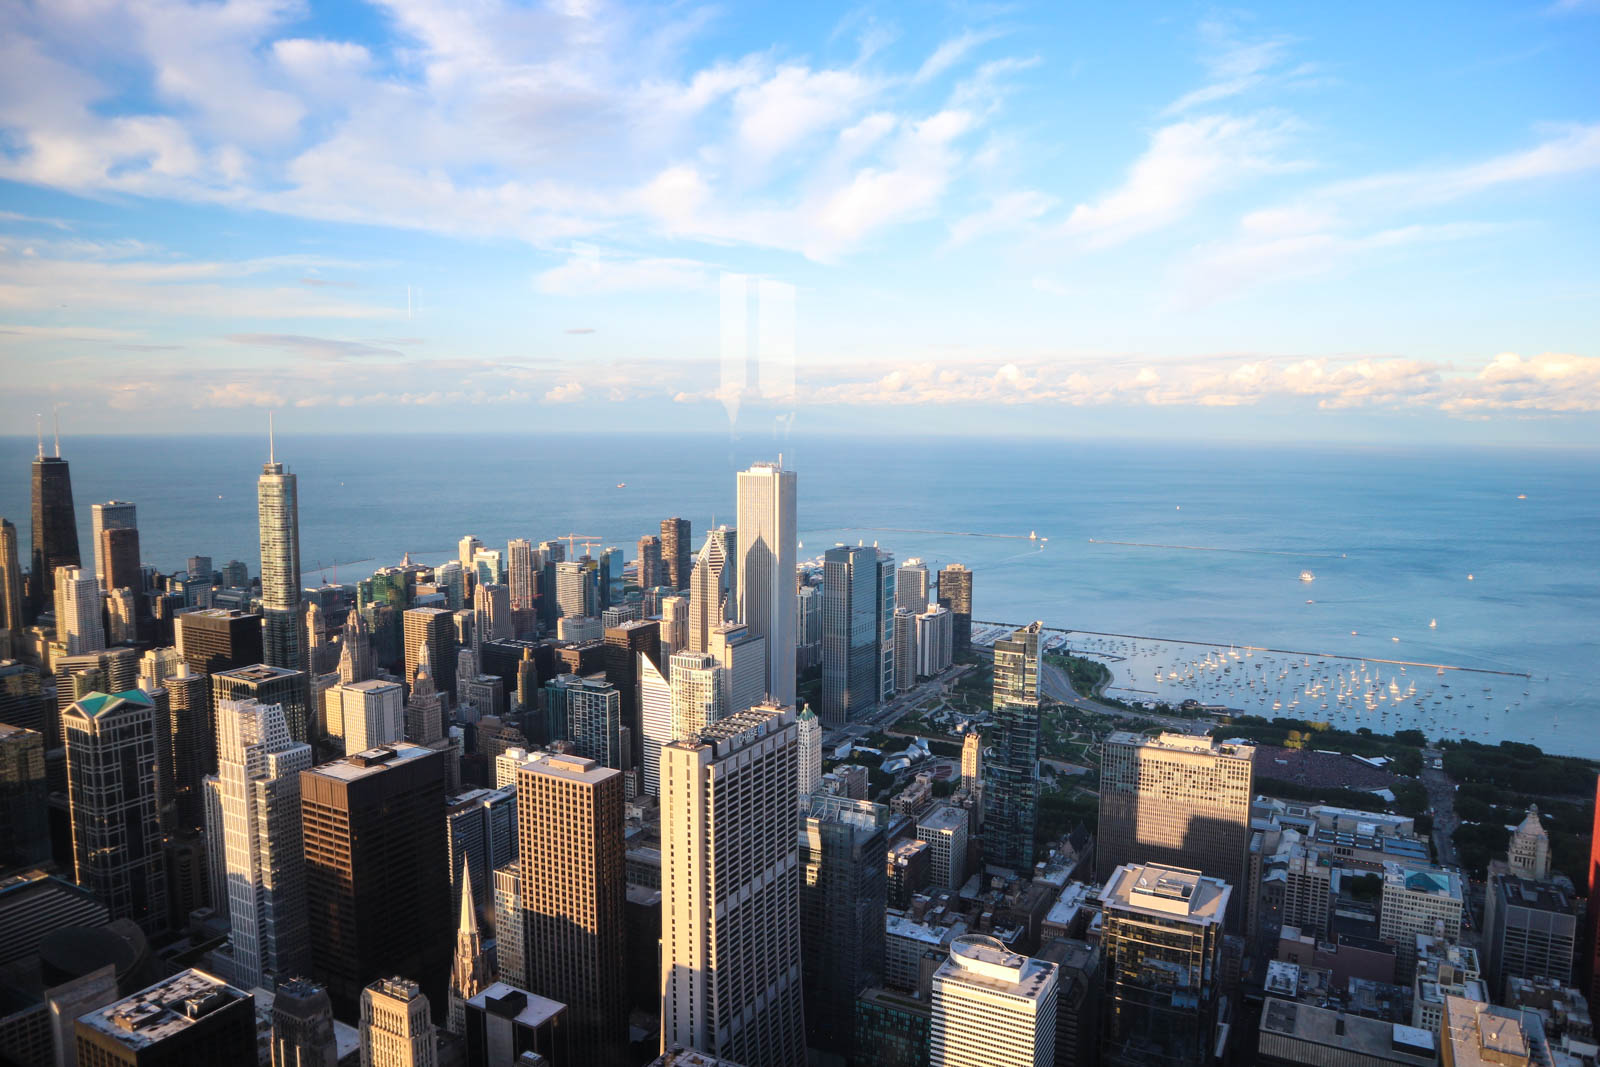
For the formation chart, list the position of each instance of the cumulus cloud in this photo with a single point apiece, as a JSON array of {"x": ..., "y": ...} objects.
[{"x": 591, "y": 272}]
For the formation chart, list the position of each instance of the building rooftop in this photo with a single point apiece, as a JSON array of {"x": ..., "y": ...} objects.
[
  {"x": 97, "y": 704},
  {"x": 1156, "y": 889},
  {"x": 1482, "y": 1034},
  {"x": 978, "y": 959},
  {"x": 1351, "y": 1035},
  {"x": 733, "y": 732},
  {"x": 1537, "y": 896},
  {"x": 371, "y": 685},
  {"x": 900, "y": 926},
  {"x": 162, "y": 1010},
  {"x": 1174, "y": 742},
  {"x": 259, "y": 672},
  {"x": 372, "y": 761},
  {"x": 943, "y": 818},
  {"x": 569, "y": 768},
  {"x": 1434, "y": 881},
  {"x": 524, "y": 1008}
]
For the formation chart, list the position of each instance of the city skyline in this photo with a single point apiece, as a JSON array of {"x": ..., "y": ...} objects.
[{"x": 1270, "y": 224}]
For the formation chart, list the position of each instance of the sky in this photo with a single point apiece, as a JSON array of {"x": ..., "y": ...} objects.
[{"x": 1367, "y": 222}]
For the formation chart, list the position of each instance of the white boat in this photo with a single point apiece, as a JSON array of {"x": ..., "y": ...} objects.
[
  {"x": 1307, "y": 576},
  {"x": 1433, "y": 624}
]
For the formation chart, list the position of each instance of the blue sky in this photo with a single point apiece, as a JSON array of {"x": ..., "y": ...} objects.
[{"x": 1363, "y": 222}]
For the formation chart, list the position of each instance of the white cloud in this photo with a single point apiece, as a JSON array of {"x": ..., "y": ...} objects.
[
  {"x": 589, "y": 272},
  {"x": 1185, "y": 163},
  {"x": 950, "y": 52},
  {"x": 1232, "y": 65},
  {"x": 1006, "y": 213},
  {"x": 565, "y": 393}
]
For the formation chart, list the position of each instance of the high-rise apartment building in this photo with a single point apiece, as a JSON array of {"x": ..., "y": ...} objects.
[
  {"x": 935, "y": 641},
  {"x": 911, "y": 586},
  {"x": 674, "y": 625},
  {"x": 850, "y": 652},
  {"x": 594, "y": 722},
  {"x": 1013, "y": 787},
  {"x": 651, "y": 573},
  {"x": 730, "y": 886},
  {"x": 377, "y": 869},
  {"x": 711, "y": 587},
  {"x": 1177, "y": 799},
  {"x": 675, "y": 550},
  {"x": 905, "y": 649},
  {"x": 111, "y": 792},
  {"x": 1162, "y": 938},
  {"x": 697, "y": 693},
  {"x": 955, "y": 596},
  {"x": 764, "y": 581},
  {"x": 570, "y": 821},
  {"x": 992, "y": 1007},
  {"x": 24, "y": 798},
  {"x": 211, "y": 640},
  {"x": 112, "y": 515},
  {"x": 885, "y": 595},
  {"x": 258, "y": 773},
  {"x": 118, "y": 566},
  {"x": 278, "y": 508},
  {"x": 269, "y": 685},
  {"x": 190, "y": 1018},
  {"x": 55, "y": 526},
  {"x": 808, "y": 627},
  {"x": 11, "y": 618},
  {"x": 843, "y": 897},
  {"x": 434, "y": 627},
  {"x": 77, "y": 601},
  {"x": 521, "y": 571},
  {"x": 397, "y": 1027},
  {"x": 655, "y": 721}
]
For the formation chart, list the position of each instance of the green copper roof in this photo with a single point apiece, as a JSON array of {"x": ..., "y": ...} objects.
[
  {"x": 807, "y": 713},
  {"x": 95, "y": 703}
]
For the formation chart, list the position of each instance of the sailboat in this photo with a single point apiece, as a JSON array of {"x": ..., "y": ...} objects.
[{"x": 1433, "y": 624}]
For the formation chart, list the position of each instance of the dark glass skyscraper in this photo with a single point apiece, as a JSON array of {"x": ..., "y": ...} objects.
[
  {"x": 955, "y": 594},
  {"x": 675, "y": 540},
  {"x": 850, "y": 658},
  {"x": 212, "y": 640},
  {"x": 843, "y": 896},
  {"x": 10, "y": 589},
  {"x": 55, "y": 527},
  {"x": 1013, "y": 769}
]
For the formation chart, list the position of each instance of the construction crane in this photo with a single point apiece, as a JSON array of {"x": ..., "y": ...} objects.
[{"x": 589, "y": 541}]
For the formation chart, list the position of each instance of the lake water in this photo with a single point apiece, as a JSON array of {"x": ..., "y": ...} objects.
[{"x": 1390, "y": 536}]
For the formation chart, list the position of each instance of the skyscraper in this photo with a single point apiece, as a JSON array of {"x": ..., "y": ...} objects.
[
  {"x": 1177, "y": 799},
  {"x": 469, "y": 973},
  {"x": 992, "y": 1007},
  {"x": 697, "y": 693},
  {"x": 278, "y": 509},
  {"x": 434, "y": 627},
  {"x": 674, "y": 625},
  {"x": 675, "y": 548},
  {"x": 55, "y": 525},
  {"x": 1014, "y": 771},
  {"x": 302, "y": 1026},
  {"x": 112, "y": 515},
  {"x": 570, "y": 821},
  {"x": 911, "y": 586},
  {"x": 397, "y": 1027},
  {"x": 365, "y": 714},
  {"x": 765, "y": 577},
  {"x": 935, "y": 641},
  {"x": 492, "y": 613},
  {"x": 655, "y": 721},
  {"x": 377, "y": 869},
  {"x": 809, "y": 734},
  {"x": 258, "y": 772},
  {"x": 743, "y": 659},
  {"x": 955, "y": 594},
  {"x": 24, "y": 798},
  {"x": 710, "y": 587},
  {"x": 78, "y": 612},
  {"x": 10, "y": 591},
  {"x": 594, "y": 721},
  {"x": 1162, "y": 938},
  {"x": 118, "y": 566},
  {"x": 905, "y": 649},
  {"x": 212, "y": 640},
  {"x": 520, "y": 571},
  {"x": 269, "y": 685},
  {"x": 883, "y": 593},
  {"x": 733, "y": 782},
  {"x": 850, "y": 662},
  {"x": 623, "y": 646},
  {"x": 651, "y": 571},
  {"x": 111, "y": 791},
  {"x": 843, "y": 897}
]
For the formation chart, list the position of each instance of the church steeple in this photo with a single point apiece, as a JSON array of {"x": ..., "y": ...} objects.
[{"x": 470, "y": 974}]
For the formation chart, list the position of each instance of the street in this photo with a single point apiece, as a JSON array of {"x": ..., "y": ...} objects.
[{"x": 1442, "y": 800}]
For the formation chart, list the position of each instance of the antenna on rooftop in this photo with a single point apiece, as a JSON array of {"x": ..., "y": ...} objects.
[
  {"x": 55, "y": 417},
  {"x": 272, "y": 450},
  {"x": 38, "y": 430}
]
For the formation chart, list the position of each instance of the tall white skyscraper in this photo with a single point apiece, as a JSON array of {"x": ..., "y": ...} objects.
[
  {"x": 258, "y": 775},
  {"x": 519, "y": 573},
  {"x": 278, "y": 509},
  {"x": 743, "y": 658},
  {"x": 697, "y": 689},
  {"x": 112, "y": 515},
  {"x": 992, "y": 1007},
  {"x": 655, "y": 720},
  {"x": 730, "y": 891},
  {"x": 911, "y": 586},
  {"x": 765, "y": 575},
  {"x": 466, "y": 548},
  {"x": 809, "y": 731},
  {"x": 78, "y": 611}
]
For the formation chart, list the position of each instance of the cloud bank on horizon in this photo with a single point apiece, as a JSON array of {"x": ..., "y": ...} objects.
[{"x": 518, "y": 211}]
